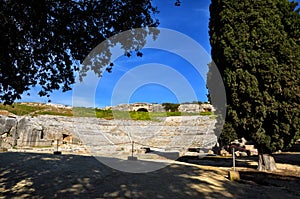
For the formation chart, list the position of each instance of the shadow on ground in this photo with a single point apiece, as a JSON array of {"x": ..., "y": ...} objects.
[
  {"x": 272, "y": 179},
  {"x": 288, "y": 158},
  {"x": 221, "y": 161},
  {"x": 242, "y": 161},
  {"x": 32, "y": 175}
]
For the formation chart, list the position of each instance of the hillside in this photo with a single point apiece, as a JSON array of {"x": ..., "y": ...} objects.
[
  {"x": 32, "y": 108},
  {"x": 35, "y": 109}
]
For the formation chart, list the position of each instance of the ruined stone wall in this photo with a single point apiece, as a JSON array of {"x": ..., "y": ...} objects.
[
  {"x": 195, "y": 108},
  {"x": 136, "y": 106},
  {"x": 105, "y": 135},
  {"x": 21, "y": 131},
  {"x": 189, "y": 108}
]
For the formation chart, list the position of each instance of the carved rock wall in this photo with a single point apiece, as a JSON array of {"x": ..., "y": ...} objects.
[
  {"x": 8, "y": 132},
  {"x": 101, "y": 135}
]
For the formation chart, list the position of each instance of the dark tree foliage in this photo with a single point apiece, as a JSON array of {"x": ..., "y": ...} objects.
[
  {"x": 177, "y": 3},
  {"x": 171, "y": 107},
  {"x": 43, "y": 41},
  {"x": 256, "y": 46}
]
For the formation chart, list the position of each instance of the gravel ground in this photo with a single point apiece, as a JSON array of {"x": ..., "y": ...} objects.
[{"x": 41, "y": 175}]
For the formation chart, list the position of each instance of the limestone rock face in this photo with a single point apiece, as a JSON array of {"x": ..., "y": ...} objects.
[
  {"x": 21, "y": 132},
  {"x": 105, "y": 136},
  {"x": 8, "y": 131},
  {"x": 31, "y": 133},
  {"x": 189, "y": 108},
  {"x": 6, "y": 124}
]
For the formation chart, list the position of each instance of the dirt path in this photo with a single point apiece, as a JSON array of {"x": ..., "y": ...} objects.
[{"x": 36, "y": 175}]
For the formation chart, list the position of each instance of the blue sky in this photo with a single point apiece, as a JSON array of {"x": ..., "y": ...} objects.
[{"x": 176, "y": 81}]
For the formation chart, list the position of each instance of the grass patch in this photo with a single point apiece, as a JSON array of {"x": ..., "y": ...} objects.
[
  {"x": 174, "y": 114},
  {"x": 84, "y": 112},
  {"x": 121, "y": 115},
  {"x": 206, "y": 113},
  {"x": 20, "y": 109},
  {"x": 140, "y": 115},
  {"x": 106, "y": 114},
  {"x": 55, "y": 113}
]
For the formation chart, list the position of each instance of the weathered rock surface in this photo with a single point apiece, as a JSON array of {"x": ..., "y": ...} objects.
[
  {"x": 8, "y": 131},
  {"x": 109, "y": 137},
  {"x": 30, "y": 133}
]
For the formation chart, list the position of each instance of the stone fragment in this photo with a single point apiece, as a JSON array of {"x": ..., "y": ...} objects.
[{"x": 233, "y": 175}]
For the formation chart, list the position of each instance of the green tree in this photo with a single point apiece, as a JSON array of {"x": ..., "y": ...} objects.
[
  {"x": 43, "y": 41},
  {"x": 256, "y": 47},
  {"x": 170, "y": 107}
]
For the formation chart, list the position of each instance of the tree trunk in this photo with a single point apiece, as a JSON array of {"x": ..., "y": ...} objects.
[{"x": 266, "y": 162}]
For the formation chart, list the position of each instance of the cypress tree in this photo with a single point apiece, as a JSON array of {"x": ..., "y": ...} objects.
[{"x": 256, "y": 47}]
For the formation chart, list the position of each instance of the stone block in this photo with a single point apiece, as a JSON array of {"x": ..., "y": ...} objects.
[
  {"x": 233, "y": 175},
  {"x": 210, "y": 152},
  {"x": 223, "y": 152},
  {"x": 249, "y": 146},
  {"x": 133, "y": 158}
]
